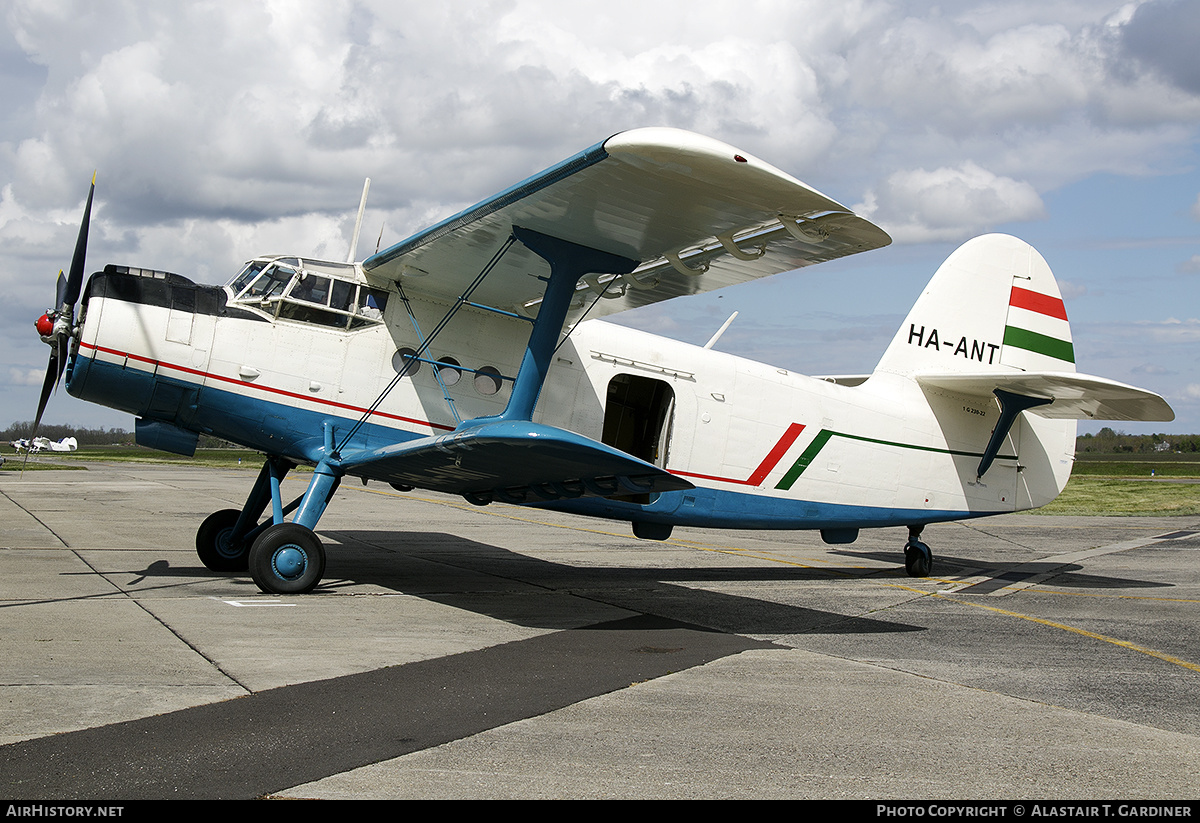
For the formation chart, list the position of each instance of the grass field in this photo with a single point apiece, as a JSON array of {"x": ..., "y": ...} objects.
[
  {"x": 1100, "y": 485},
  {"x": 1131, "y": 484},
  {"x": 218, "y": 458}
]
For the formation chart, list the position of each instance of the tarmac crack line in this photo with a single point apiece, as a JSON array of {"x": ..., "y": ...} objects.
[
  {"x": 138, "y": 603},
  {"x": 35, "y": 517}
]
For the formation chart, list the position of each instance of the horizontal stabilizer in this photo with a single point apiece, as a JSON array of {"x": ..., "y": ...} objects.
[
  {"x": 513, "y": 462},
  {"x": 1075, "y": 396}
]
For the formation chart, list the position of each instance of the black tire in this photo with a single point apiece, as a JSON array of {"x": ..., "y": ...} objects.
[
  {"x": 214, "y": 547},
  {"x": 918, "y": 559},
  {"x": 287, "y": 559}
]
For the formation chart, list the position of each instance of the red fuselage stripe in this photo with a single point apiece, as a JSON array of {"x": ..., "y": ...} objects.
[
  {"x": 764, "y": 468},
  {"x": 210, "y": 376}
]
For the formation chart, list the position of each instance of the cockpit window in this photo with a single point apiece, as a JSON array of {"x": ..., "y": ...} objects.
[
  {"x": 371, "y": 302},
  {"x": 311, "y": 289},
  {"x": 270, "y": 283},
  {"x": 342, "y": 296},
  {"x": 246, "y": 276},
  {"x": 292, "y": 289}
]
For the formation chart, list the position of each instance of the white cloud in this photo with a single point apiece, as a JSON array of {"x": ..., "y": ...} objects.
[
  {"x": 949, "y": 203},
  {"x": 26, "y": 377},
  {"x": 1172, "y": 330},
  {"x": 222, "y": 131},
  {"x": 1071, "y": 289}
]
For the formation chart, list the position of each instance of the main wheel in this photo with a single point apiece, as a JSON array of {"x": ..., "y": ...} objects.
[
  {"x": 214, "y": 545},
  {"x": 918, "y": 559},
  {"x": 287, "y": 559}
]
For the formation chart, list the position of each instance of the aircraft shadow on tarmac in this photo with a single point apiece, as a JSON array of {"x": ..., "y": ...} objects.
[
  {"x": 528, "y": 591},
  {"x": 1065, "y": 575}
]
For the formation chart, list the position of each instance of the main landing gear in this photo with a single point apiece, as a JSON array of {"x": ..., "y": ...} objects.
[
  {"x": 918, "y": 559},
  {"x": 283, "y": 558}
]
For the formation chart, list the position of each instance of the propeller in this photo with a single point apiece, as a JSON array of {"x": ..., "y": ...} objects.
[{"x": 56, "y": 326}]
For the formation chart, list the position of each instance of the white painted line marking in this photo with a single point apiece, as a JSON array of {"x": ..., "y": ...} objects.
[{"x": 240, "y": 603}]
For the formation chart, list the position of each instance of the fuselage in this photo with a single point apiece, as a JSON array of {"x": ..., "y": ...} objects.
[{"x": 277, "y": 371}]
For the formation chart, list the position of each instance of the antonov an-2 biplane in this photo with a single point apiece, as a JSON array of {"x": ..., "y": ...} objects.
[{"x": 468, "y": 359}]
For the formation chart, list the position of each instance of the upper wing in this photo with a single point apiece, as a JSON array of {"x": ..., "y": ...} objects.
[
  {"x": 697, "y": 213},
  {"x": 1075, "y": 396}
]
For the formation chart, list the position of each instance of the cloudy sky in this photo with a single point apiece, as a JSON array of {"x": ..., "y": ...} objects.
[{"x": 224, "y": 130}]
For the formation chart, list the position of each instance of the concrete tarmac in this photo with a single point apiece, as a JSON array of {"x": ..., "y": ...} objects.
[{"x": 501, "y": 652}]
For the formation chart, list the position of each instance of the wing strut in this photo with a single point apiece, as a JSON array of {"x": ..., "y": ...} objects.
[
  {"x": 1010, "y": 406},
  {"x": 464, "y": 299},
  {"x": 568, "y": 263}
]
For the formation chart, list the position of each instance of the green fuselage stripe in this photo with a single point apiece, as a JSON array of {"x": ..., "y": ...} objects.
[
  {"x": 797, "y": 469},
  {"x": 818, "y": 443},
  {"x": 1040, "y": 343}
]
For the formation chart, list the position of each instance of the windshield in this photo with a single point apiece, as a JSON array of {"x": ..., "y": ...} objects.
[
  {"x": 246, "y": 276},
  {"x": 270, "y": 283}
]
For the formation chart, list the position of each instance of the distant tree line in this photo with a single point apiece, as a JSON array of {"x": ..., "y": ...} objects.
[
  {"x": 23, "y": 430},
  {"x": 1107, "y": 441}
]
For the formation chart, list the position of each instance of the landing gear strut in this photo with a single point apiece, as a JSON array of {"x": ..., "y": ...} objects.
[
  {"x": 918, "y": 559},
  {"x": 283, "y": 558}
]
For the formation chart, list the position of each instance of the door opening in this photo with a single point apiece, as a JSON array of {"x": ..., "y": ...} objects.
[{"x": 637, "y": 417}]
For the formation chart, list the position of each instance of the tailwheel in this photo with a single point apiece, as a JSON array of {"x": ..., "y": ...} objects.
[
  {"x": 918, "y": 559},
  {"x": 215, "y": 545},
  {"x": 287, "y": 558}
]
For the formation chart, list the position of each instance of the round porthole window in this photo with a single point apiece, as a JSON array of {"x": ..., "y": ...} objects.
[
  {"x": 449, "y": 371},
  {"x": 487, "y": 381},
  {"x": 406, "y": 356}
]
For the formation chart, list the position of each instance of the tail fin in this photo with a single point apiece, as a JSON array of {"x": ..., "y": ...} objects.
[
  {"x": 993, "y": 306},
  {"x": 990, "y": 329}
]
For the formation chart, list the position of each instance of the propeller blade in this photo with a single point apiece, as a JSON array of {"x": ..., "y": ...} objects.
[
  {"x": 54, "y": 370},
  {"x": 75, "y": 279},
  {"x": 60, "y": 290},
  {"x": 66, "y": 293}
]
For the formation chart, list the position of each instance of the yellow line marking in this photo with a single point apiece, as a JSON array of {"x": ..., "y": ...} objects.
[{"x": 1125, "y": 644}]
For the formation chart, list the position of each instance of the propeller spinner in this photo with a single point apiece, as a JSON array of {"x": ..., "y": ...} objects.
[{"x": 57, "y": 325}]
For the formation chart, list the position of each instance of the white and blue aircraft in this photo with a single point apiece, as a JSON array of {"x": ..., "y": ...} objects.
[
  {"x": 470, "y": 359},
  {"x": 41, "y": 444}
]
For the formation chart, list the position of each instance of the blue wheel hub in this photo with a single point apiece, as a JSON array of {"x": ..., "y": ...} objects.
[
  {"x": 289, "y": 562},
  {"x": 225, "y": 546}
]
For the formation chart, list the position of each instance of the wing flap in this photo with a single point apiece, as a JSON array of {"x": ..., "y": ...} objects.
[
  {"x": 513, "y": 462},
  {"x": 697, "y": 213},
  {"x": 1076, "y": 396}
]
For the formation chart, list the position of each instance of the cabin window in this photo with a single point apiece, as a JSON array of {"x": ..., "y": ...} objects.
[
  {"x": 488, "y": 381},
  {"x": 449, "y": 371},
  {"x": 406, "y": 360}
]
